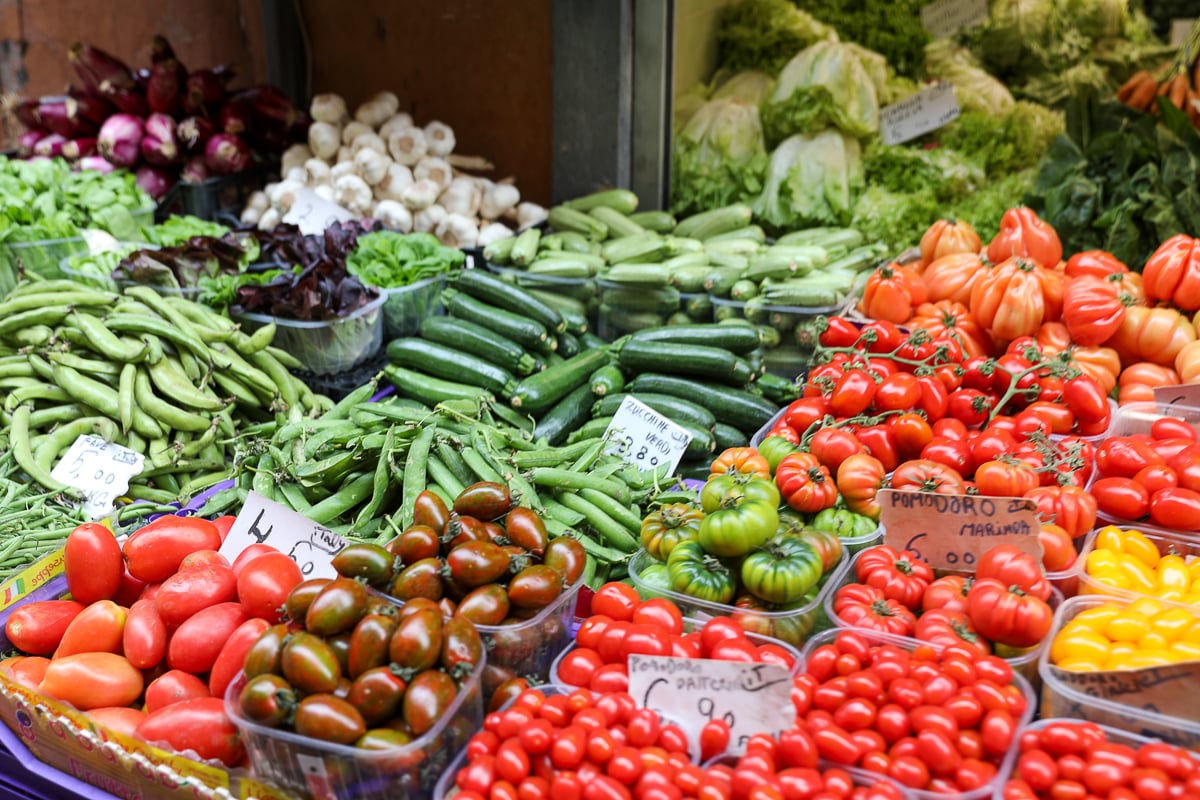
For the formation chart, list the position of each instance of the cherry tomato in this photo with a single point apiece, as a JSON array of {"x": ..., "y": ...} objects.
[{"x": 616, "y": 601}]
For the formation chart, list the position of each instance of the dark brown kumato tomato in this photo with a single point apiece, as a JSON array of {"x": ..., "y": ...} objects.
[
  {"x": 476, "y": 563},
  {"x": 415, "y": 543},
  {"x": 567, "y": 556},
  {"x": 416, "y": 643},
  {"x": 338, "y": 607},
  {"x": 536, "y": 586},
  {"x": 430, "y": 510},
  {"x": 428, "y": 696},
  {"x": 268, "y": 700},
  {"x": 329, "y": 718},
  {"x": 419, "y": 579},
  {"x": 369, "y": 643},
  {"x": 484, "y": 605},
  {"x": 462, "y": 648},
  {"x": 485, "y": 500},
  {"x": 464, "y": 528},
  {"x": 377, "y": 694},
  {"x": 301, "y": 597},
  {"x": 309, "y": 663},
  {"x": 264, "y": 656},
  {"x": 525, "y": 528},
  {"x": 371, "y": 562}
]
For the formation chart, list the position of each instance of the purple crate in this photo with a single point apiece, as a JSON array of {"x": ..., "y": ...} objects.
[{"x": 23, "y": 776}]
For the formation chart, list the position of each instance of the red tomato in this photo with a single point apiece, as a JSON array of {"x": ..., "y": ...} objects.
[
  {"x": 233, "y": 655},
  {"x": 200, "y": 725},
  {"x": 92, "y": 560},
  {"x": 173, "y": 686},
  {"x": 98, "y": 628},
  {"x": 37, "y": 628},
  {"x": 1172, "y": 428},
  {"x": 121, "y": 719},
  {"x": 92, "y": 680},
  {"x": 192, "y": 590},
  {"x": 833, "y": 445},
  {"x": 203, "y": 558},
  {"x": 616, "y": 600},
  {"x": 153, "y": 553},
  {"x": 249, "y": 554},
  {"x": 224, "y": 524},
  {"x": 852, "y": 394},
  {"x": 264, "y": 582},
  {"x": 952, "y": 453},
  {"x": 578, "y": 666},
  {"x": 717, "y": 630},
  {"x": 145, "y": 637},
  {"x": 198, "y": 641},
  {"x": 1124, "y": 456},
  {"x": 1157, "y": 476},
  {"x": 661, "y": 612},
  {"x": 1176, "y": 507},
  {"x": 1123, "y": 498}
]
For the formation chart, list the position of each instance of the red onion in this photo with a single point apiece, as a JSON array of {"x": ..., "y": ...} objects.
[
  {"x": 100, "y": 72},
  {"x": 90, "y": 107},
  {"x": 154, "y": 182},
  {"x": 271, "y": 106},
  {"x": 120, "y": 138},
  {"x": 53, "y": 115},
  {"x": 26, "y": 112},
  {"x": 160, "y": 49},
  {"x": 164, "y": 92},
  {"x": 204, "y": 91},
  {"x": 97, "y": 163},
  {"x": 237, "y": 115},
  {"x": 50, "y": 145},
  {"x": 27, "y": 140},
  {"x": 193, "y": 132},
  {"x": 77, "y": 148},
  {"x": 225, "y": 154},
  {"x": 159, "y": 146},
  {"x": 142, "y": 76},
  {"x": 195, "y": 170}
]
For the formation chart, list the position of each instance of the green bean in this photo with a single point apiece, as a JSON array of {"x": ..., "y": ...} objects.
[
  {"x": 140, "y": 491},
  {"x": 550, "y": 456},
  {"x": 613, "y": 532},
  {"x": 294, "y": 496},
  {"x": 198, "y": 483},
  {"x": 65, "y": 435},
  {"x": 347, "y": 497},
  {"x": 167, "y": 482},
  {"x": 171, "y": 379},
  {"x": 586, "y": 459},
  {"x": 414, "y": 473},
  {"x": 380, "y": 484},
  {"x": 445, "y": 496},
  {"x": 443, "y": 477},
  {"x": 612, "y": 508},
  {"x": 511, "y": 416},
  {"x": 20, "y": 442},
  {"x": 162, "y": 411},
  {"x": 278, "y": 373},
  {"x": 264, "y": 476},
  {"x": 479, "y": 466},
  {"x": 557, "y": 511},
  {"x": 454, "y": 461},
  {"x": 566, "y": 479}
]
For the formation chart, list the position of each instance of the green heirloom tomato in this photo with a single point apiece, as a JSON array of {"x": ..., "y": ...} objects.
[
  {"x": 723, "y": 491},
  {"x": 697, "y": 574},
  {"x": 774, "y": 449},
  {"x": 783, "y": 570},
  {"x": 846, "y": 524},
  {"x": 668, "y": 526},
  {"x": 657, "y": 580},
  {"x": 739, "y": 528}
]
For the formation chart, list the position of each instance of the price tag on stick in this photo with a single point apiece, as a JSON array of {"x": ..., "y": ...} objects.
[
  {"x": 644, "y": 437},
  {"x": 751, "y": 698},
  {"x": 313, "y": 214},
  {"x": 952, "y": 531},
  {"x": 263, "y": 521},
  {"x": 99, "y": 469},
  {"x": 918, "y": 114}
]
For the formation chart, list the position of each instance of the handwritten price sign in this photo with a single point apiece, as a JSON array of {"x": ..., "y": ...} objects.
[
  {"x": 99, "y": 469},
  {"x": 945, "y": 18},
  {"x": 951, "y": 531},
  {"x": 751, "y": 698},
  {"x": 313, "y": 214},
  {"x": 919, "y": 114},
  {"x": 644, "y": 437},
  {"x": 264, "y": 521}
]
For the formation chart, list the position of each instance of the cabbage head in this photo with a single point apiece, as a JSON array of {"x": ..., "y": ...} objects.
[
  {"x": 750, "y": 86},
  {"x": 974, "y": 88},
  {"x": 719, "y": 156},
  {"x": 824, "y": 84},
  {"x": 812, "y": 179}
]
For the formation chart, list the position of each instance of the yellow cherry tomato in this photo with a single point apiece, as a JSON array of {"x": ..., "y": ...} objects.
[
  {"x": 1079, "y": 645},
  {"x": 1128, "y": 626},
  {"x": 1136, "y": 544},
  {"x": 1172, "y": 623},
  {"x": 1141, "y": 578},
  {"x": 1110, "y": 537},
  {"x": 1172, "y": 573},
  {"x": 1082, "y": 665},
  {"x": 1142, "y": 659},
  {"x": 1147, "y": 606},
  {"x": 1186, "y": 651},
  {"x": 1104, "y": 566},
  {"x": 1095, "y": 618},
  {"x": 1192, "y": 634},
  {"x": 1152, "y": 641}
]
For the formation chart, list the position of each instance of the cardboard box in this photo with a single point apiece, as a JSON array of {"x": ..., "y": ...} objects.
[{"x": 60, "y": 737}]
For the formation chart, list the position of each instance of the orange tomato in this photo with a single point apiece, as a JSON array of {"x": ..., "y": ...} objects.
[
  {"x": 1102, "y": 363},
  {"x": 1187, "y": 363},
  {"x": 1058, "y": 549},
  {"x": 891, "y": 292},
  {"x": 953, "y": 321},
  {"x": 1094, "y": 262},
  {"x": 952, "y": 277},
  {"x": 1023, "y": 234},
  {"x": 1152, "y": 334},
  {"x": 946, "y": 237},
  {"x": 1138, "y": 380},
  {"x": 1008, "y": 300},
  {"x": 1173, "y": 272}
]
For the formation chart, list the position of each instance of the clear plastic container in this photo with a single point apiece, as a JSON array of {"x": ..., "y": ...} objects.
[
  {"x": 1025, "y": 664},
  {"x": 696, "y": 306},
  {"x": 793, "y": 626},
  {"x": 1167, "y": 542},
  {"x": 1115, "y": 736},
  {"x": 406, "y": 307},
  {"x": 877, "y": 638},
  {"x": 1061, "y": 699},
  {"x": 628, "y": 309},
  {"x": 325, "y": 346},
  {"x": 794, "y": 324},
  {"x": 690, "y": 625},
  {"x": 529, "y": 649},
  {"x": 107, "y": 283},
  {"x": 313, "y": 768},
  {"x": 43, "y": 258}
]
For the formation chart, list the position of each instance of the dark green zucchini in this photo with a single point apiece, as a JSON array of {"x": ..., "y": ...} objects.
[
  {"x": 449, "y": 364},
  {"x": 737, "y": 339},
  {"x": 490, "y": 289},
  {"x": 568, "y": 413},
  {"x": 529, "y": 333},
  {"x": 735, "y": 407},
  {"x": 478, "y": 341},
  {"x": 543, "y": 389},
  {"x": 702, "y": 361}
]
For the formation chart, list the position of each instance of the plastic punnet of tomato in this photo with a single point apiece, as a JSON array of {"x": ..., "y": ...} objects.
[
  {"x": 561, "y": 742},
  {"x": 1141, "y": 562},
  {"x": 1149, "y": 467},
  {"x": 490, "y": 562},
  {"x": 1107, "y": 635},
  {"x": 894, "y": 592},
  {"x": 791, "y": 625},
  {"x": 1068, "y": 758},
  {"x": 938, "y": 720}
]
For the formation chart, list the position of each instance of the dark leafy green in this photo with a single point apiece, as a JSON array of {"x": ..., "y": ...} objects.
[{"x": 1118, "y": 180}]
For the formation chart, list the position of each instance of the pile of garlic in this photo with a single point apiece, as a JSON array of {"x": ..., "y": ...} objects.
[{"x": 380, "y": 164}]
